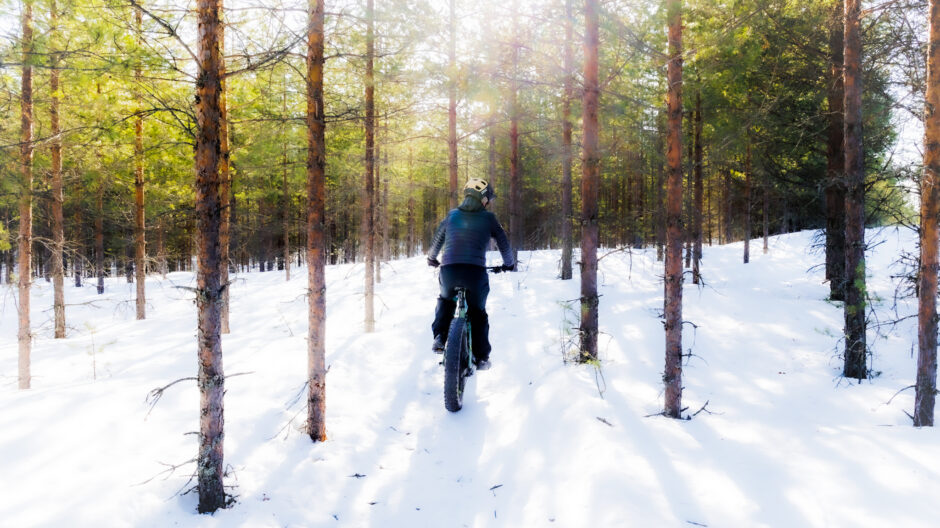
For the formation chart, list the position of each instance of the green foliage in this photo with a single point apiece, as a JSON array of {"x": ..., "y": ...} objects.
[{"x": 760, "y": 67}]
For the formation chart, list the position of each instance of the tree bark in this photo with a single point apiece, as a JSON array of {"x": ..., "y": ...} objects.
[
  {"x": 698, "y": 191},
  {"x": 747, "y": 200},
  {"x": 765, "y": 210},
  {"x": 225, "y": 189},
  {"x": 380, "y": 229},
  {"x": 727, "y": 204},
  {"x": 855, "y": 326},
  {"x": 672, "y": 376},
  {"x": 140, "y": 266},
  {"x": 566, "y": 126},
  {"x": 99, "y": 234},
  {"x": 515, "y": 213},
  {"x": 25, "y": 236},
  {"x": 835, "y": 154},
  {"x": 211, "y": 379},
  {"x": 285, "y": 197},
  {"x": 368, "y": 216},
  {"x": 78, "y": 266},
  {"x": 452, "y": 105},
  {"x": 926, "y": 385},
  {"x": 590, "y": 167},
  {"x": 316, "y": 217},
  {"x": 58, "y": 224}
]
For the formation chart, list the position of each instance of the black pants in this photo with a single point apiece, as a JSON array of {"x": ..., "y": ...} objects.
[{"x": 477, "y": 284}]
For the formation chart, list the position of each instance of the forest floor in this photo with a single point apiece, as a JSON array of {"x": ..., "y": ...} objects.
[{"x": 778, "y": 437}]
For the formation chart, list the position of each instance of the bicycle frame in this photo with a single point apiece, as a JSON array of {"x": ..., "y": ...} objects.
[{"x": 461, "y": 300}]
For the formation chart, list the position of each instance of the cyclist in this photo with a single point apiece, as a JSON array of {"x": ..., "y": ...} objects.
[{"x": 464, "y": 235}]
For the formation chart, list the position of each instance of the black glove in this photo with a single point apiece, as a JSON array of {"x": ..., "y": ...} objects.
[
  {"x": 433, "y": 262},
  {"x": 509, "y": 267}
]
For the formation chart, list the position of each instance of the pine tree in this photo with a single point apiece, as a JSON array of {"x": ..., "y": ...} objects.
[
  {"x": 672, "y": 376},
  {"x": 590, "y": 168},
  {"x": 926, "y": 385},
  {"x": 316, "y": 240}
]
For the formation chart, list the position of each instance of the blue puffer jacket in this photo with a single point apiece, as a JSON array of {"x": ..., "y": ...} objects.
[{"x": 465, "y": 234}]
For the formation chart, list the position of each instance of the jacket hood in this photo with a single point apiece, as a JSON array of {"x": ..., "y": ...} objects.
[{"x": 471, "y": 204}]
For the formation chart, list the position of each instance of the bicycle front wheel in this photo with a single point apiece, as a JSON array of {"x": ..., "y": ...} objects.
[{"x": 454, "y": 365}]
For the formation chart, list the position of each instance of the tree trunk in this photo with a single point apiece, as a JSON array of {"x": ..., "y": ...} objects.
[
  {"x": 452, "y": 105},
  {"x": 412, "y": 236},
  {"x": 660, "y": 214},
  {"x": 688, "y": 226},
  {"x": 855, "y": 326},
  {"x": 747, "y": 200},
  {"x": 515, "y": 213},
  {"x": 672, "y": 376},
  {"x": 566, "y": 213},
  {"x": 161, "y": 250},
  {"x": 727, "y": 204},
  {"x": 926, "y": 386},
  {"x": 708, "y": 209},
  {"x": 698, "y": 192},
  {"x": 79, "y": 265},
  {"x": 58, "y": 224},
  {"x": 368, "y": 215},
  {"x": 835, "y": 151},
  {"x": 225, "y": 190},
  {"x": 25, "y": 237},
  {"x": 285, "y": 203},
  {"x": 211, "y": 382},
  {"x": 380, "y": 229},
  {"x": 140, "y": 265},
  {"x": 589, "y": 185},
  {"x": 316, "y": 217},
  {"x": 765, "y": 210},
  {"x": 99, "y": 234}
]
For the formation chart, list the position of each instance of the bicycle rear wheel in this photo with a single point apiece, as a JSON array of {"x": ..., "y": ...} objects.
[{"x": 455, "y": 365}]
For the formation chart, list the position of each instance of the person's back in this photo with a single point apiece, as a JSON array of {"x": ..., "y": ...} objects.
[{"x": 464, "y": 236}]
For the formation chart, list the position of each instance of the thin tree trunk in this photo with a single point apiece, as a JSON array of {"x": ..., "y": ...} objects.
[
  {"x": 660, "y": 214},
  {"x": 211, "y": 382},
  {"x": 566, "y": 126},
  {"x": 727, "y": 204},
  {"x": 25, "y": 237},
  {"x": 58, "y": 224},
  {"x": 709, "y": 214},
  {"x": 368, "y": 215},
  {"x": 79, "y": 264},
  {"x": 99, "y": 234},
  {"x": 380, "y": 229},
  {"x": 589, "y": 185},
  {"x": 765, "y": 209},
  {"x": 412, "y": 240},
  {"x": 140, "y": 256},
  {"x": 855, "y": 343},
  {"x": 452, "y": 104},
  {"x": 672, "y": 376},
  {"x": 161, "y": 249},
  {"x": 926, "y": 386},
  {"x": 285, "y": 208},
  {"x": 835, "y": 154},
  {"x": 688, "y": 222},
  {"x": 225, "y": 190},
  {"x": 698, "y": 191},
  {"x": 316, "y": 217},
  {"x": 386, "y": 228},
  {"x": 747, "y": 200},
  {"x": 515, "y": 213}
]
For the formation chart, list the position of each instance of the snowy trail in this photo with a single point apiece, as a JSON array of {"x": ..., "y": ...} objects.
[{"x": 783, "y": 441}]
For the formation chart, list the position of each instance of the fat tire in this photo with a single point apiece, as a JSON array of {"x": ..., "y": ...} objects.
[{"x": 453, "y": 369}]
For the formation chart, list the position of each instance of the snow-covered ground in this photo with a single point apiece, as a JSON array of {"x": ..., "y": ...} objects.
[{"x": 784, "y": 441}]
